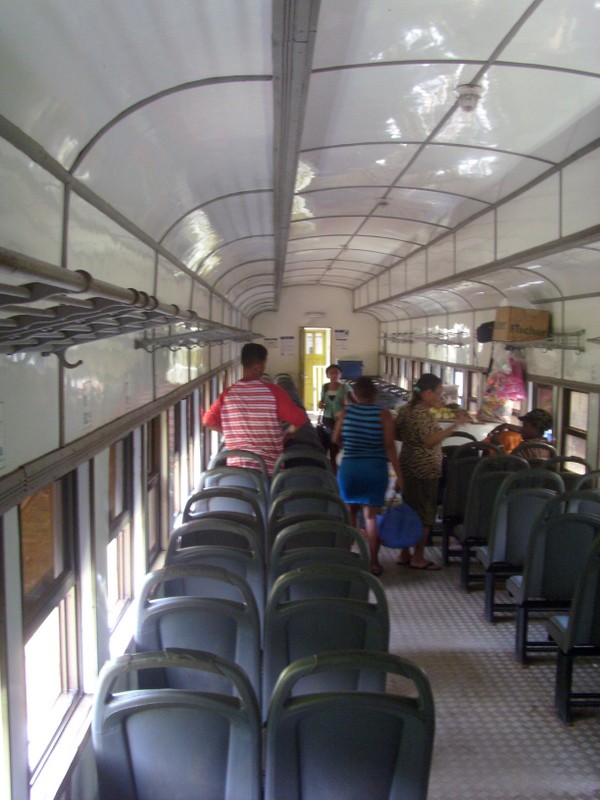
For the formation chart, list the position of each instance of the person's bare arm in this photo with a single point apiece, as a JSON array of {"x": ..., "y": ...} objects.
[
  {"x": 390, "y": 444},
  {"x": 437, "y": 437},
  {"x": 336, "y": 436}
]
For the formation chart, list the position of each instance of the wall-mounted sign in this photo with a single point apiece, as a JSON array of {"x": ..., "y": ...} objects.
[
  {"x": 340, "y": 339},
  {"x": 287, "y": 345}
]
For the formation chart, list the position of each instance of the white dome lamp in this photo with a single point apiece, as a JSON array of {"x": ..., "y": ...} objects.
[{"x": 468, "y": 95}]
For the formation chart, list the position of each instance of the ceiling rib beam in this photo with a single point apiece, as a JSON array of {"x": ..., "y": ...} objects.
[{"x": 294, "y": 30}]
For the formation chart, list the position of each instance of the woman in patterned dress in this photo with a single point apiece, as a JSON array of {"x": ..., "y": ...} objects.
[{"x": 421, "y": 459}]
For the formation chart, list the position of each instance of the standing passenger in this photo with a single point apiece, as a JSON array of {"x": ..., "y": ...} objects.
[
  {"x": 421, "y": 459},
  {"x": 334, "y": 397},
  {"x": 366, "y": 432},
  {"x": 250, "y": 413}
]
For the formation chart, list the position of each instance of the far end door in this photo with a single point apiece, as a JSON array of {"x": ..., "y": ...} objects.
[{"x": 314, "y": 353}]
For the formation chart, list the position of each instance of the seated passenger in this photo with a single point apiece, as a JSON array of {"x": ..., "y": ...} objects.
[{"x": 535, "y": 423}]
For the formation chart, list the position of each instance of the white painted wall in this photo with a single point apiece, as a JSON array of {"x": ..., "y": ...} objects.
[{"x": 363, "y": 337}]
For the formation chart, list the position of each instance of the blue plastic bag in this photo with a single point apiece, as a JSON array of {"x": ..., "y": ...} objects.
[{"x": 400, "y": 526}]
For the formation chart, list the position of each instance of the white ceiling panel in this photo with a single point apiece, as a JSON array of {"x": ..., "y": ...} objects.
[
  {"x": 396, "y": 103},
  {"x": 358, "y": 32},
  {"x": 136, "y": 168},
  {"x": 74, "y": 67},
  {"x": 357, "y": 165},
  {"x": 480, "y": 174},
  {"x": 328, "y": 226},
  {"x": 216, "y": 134}
]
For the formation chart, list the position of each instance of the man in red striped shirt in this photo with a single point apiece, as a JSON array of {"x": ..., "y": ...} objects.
[{"x": 250, "y": 413}]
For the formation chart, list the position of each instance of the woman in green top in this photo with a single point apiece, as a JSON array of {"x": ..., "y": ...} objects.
[{"x": 334, "y": 396}]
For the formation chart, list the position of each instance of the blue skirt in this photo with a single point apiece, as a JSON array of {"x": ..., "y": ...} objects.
[{"x": 363, "y": 481}]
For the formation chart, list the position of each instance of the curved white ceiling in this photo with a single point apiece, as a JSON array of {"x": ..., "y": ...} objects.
[{"x": 190, "y": 120}]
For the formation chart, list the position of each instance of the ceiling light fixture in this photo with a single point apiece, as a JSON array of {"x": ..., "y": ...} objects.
[{"x": 469, "y": 95}]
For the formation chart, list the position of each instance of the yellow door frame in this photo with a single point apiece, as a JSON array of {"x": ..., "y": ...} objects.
[{"x": 315, "y": 353}]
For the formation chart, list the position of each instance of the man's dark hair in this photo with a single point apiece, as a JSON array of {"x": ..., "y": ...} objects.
[
  {"x": 253, "y": 353},
  {"x": 365, "y": 389}
]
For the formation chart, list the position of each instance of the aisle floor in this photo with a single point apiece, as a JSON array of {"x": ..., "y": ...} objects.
[{"x": 497, "y": 734}]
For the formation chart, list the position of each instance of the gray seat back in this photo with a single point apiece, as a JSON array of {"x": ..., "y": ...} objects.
[
  {"x": 590, "y": 480},
  {"x": 241, "y": 477},
  {"x": 298, "y": 505},
  {"x": 486, "y": 482},
  {"x": 237, "y": 502},
  {"x": 302, "y": 456},
  {"x": 349, "y": 744},
  {"x": 248, "y": 458},
  {"x": 152, "y": 744},
  {"x": 459, "y": 470},
  {"x": 220, "y": 543},
  {"x": 298, "y": 628},
  {"x": 228, "y": 628},
  {"x": 316, "y": 541},
  {"x": 556, "y": 553},
  {"x": 570, "y": 477},
  {"x": 309, "y": 477},
  {"x": 514, "y": 518},
  {"x": 584, "y": 614},
  {"x": 534, "y": 450}
]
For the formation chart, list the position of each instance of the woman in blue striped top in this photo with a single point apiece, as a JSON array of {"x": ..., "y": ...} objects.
[{"x": 366, "y": 432}]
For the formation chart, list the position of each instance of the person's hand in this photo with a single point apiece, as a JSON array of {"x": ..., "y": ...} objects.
[
  {"x": 322, "y": 404},
  {"x": 462, "y": 416}
]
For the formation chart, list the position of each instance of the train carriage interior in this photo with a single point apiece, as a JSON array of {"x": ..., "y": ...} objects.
[{"x": 370, "y": 183}]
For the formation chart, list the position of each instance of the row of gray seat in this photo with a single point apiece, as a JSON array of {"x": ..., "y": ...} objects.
[
  {"x": 257, "y": 626},
  {"x": 535, "y": 528}
]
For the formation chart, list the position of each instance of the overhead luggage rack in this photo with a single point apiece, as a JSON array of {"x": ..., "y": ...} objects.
[
  {"x": 429, "y": 338},
  {"x": 59, "y": 308},
  {"x": 196, "y": 336},
  {"x": 557, "y": 341}
]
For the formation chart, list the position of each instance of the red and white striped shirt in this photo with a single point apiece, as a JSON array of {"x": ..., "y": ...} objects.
[{"x": 250, "y": 414}]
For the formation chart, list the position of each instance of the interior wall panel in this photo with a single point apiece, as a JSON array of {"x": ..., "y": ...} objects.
[
  {"x": 581, "y": 179},
  {"x": 201, "y": 301},
  {"x": 29, "y": 412},
  {"x": 583, "y": 366},
  {"x": 173, "y": 285},
  {"x": 530, "y": 219},
  {"x": 171, "y": 369},
  {"x": 416, "y": 270},
  {"x": 539, "y": 361},
  {"x": 475, "y": 243},
  {"x": 398, "y": 279},
  {"x": 111, "y": 254},
  {"x": 31, "y": 206},
  {"x": 440, "y": 259},
  {"x": 113, "y": 379}
]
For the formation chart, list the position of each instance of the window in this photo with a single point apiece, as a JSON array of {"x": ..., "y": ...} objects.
[
  {"x": 174, "y": 429},
  {"x": 52, "y": 668},
  {"x": 473, "y": 396},
  {"x": 575, "y": 427},
  {"x": 153, "y": 508},
  {"x": 542, "y": 398},
  {"x": 119, "y": 561}
]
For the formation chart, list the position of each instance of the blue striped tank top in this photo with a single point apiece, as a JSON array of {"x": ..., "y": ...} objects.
[{"x": 362, "y": 432}]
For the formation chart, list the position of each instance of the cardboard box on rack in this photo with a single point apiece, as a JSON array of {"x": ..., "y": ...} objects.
[{"x": 521, "y": 324}]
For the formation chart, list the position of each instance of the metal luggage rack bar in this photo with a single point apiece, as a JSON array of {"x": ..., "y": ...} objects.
[
  {"x": 196, "y": 337},
  {"x": 57, "y": 308},
  {"x": 557, "y": 341},
  {"x": 409, "y": 337}
]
